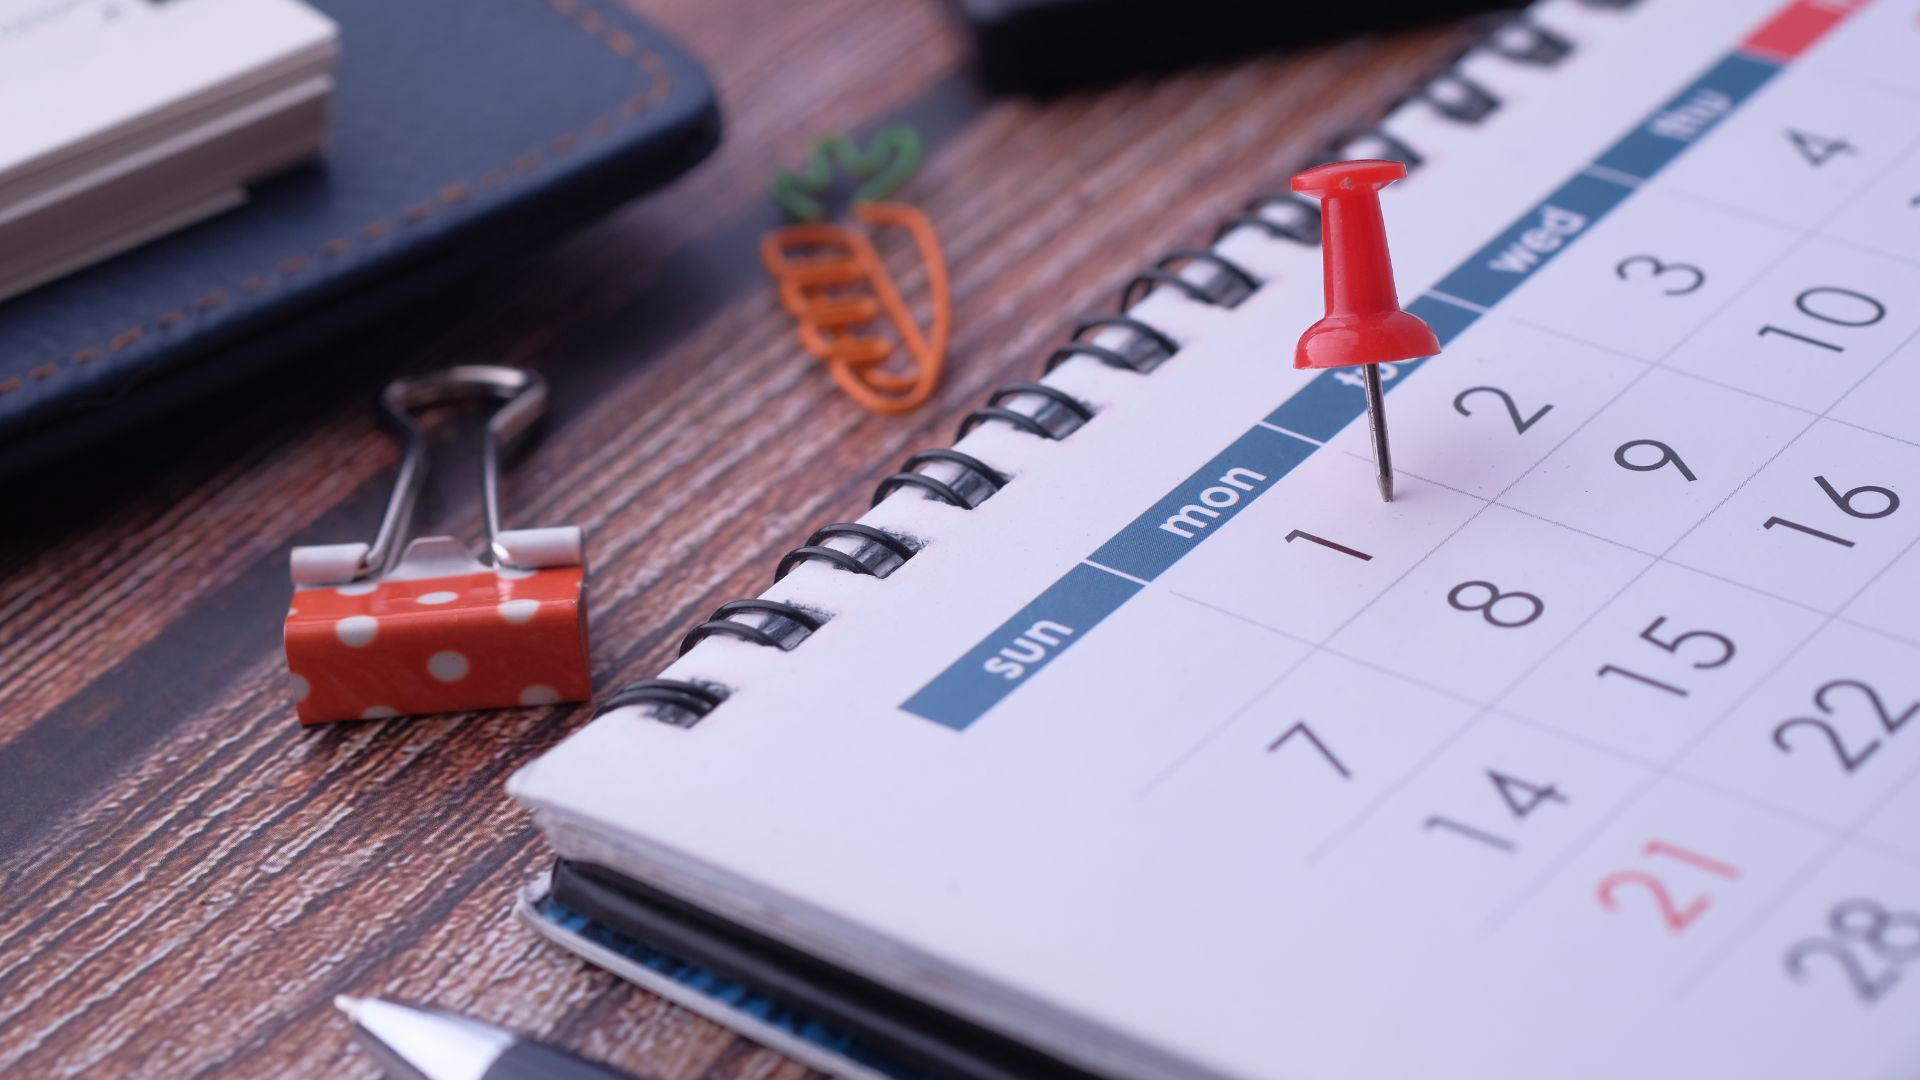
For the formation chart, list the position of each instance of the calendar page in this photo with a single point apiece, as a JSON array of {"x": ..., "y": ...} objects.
[{"x": 1593, "y": 754}]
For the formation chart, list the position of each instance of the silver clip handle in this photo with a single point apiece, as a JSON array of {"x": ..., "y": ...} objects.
[{"x": 524, "y": 397}]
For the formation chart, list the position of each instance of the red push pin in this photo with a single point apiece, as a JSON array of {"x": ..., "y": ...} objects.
[{"x": 1364, "y": 323}]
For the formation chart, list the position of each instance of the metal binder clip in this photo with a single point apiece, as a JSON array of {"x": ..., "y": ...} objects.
[{"x": 399, "y": 628}]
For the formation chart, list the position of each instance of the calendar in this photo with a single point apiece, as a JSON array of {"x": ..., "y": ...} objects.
[{"x": 1595, "y": 753}]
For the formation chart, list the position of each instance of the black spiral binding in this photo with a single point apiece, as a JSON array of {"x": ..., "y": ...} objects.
[{"x": 1053, "y": 413}]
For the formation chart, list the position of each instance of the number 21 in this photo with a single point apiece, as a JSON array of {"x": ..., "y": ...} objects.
[{"x": 1677, "y": 917}]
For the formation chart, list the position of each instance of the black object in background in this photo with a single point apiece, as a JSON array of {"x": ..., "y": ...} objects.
[
  {"x": 923, "y": 1035},
  {"x": 1049, "y": 45}
]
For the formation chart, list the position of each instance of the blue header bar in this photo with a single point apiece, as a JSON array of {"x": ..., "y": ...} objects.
[
  {"x": 1204, "y": 503},
  {"x": 1532, "y": 242},
  {"x": 1690, "y": 114},
  {"x": 1255, "y": 461},
  {"x": 1022, "y": 646}
]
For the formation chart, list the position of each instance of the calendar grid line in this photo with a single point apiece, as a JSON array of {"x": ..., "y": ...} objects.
[
  {"x": 1656, "y": 770},
  {"x": 1667, "y": 769},
  {"x": 1705, "y": 379},
  {"x": 1752, "y": 924},
  {"x": 1359, "y": 818},
  {"x": 1671, "y": 768},
  {"x": 1576, "y": 785},
  {"x": 960, "y": 694},
  {"x": 1661, "y": 771},
  {"x": 1854, "y": 78},
  {"x": 1871, "y": 431},
  {"x": 1650, "y": 764},
  {"x": 1708, "y": 380},
  {"x": 1622, "y": 545},
  {"x": 1839, "y": 839},
  {"x": 1232, "y": 718},
  {"x": 1558, "y": 863},
  {"x": 1355, "y": 658},
  {"x": 1732, "y": 210},
  {"x": 1652, "y": 560},
  {"x": 1827, "y": 617},
  {"x": 1483, "y": 708},
  {"x": 1702, "y": 571},
  {"x": 1851, "y": 833},
  {"x": 1707, "y": 784},
  {"x": 1365, "y": 813},
  {"x": 1315, "y": 648}
]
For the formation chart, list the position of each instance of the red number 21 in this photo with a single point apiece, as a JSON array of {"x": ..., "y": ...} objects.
[{"x": 1677, "y": 917}]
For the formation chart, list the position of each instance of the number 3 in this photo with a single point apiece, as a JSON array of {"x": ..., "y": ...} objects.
[{"x": 1662, "y": 269}]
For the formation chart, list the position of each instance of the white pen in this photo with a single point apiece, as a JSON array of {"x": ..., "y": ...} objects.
[{"x": 425, "y": 1044}]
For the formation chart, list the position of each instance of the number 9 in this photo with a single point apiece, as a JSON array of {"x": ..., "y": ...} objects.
[{"x": 1667, "y": 457}]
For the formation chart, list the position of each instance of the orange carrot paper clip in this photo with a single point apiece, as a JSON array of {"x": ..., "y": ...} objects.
[{"x": 833, "y": 282}]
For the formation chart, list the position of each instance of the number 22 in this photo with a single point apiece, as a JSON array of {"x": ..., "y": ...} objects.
[{"x": 1849, "y": 761}]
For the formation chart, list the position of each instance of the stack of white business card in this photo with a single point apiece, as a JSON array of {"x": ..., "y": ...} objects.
[{"x": 122, "y": 120}]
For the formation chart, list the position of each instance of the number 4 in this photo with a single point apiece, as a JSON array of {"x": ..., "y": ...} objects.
[
  {"x": 1817, "y": 149},
  {"x": 1521, "y": 797}
]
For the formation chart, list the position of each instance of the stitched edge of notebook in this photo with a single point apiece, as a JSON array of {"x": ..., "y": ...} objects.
[{"x": 590, "y": 21}]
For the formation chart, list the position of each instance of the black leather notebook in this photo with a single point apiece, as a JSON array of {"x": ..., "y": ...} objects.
[
  {"x": 463, "y": 131},
  {"x": 1045, "y": 46}
]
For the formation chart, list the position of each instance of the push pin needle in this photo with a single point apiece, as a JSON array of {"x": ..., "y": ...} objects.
[{"x": 1364, "y": 324}]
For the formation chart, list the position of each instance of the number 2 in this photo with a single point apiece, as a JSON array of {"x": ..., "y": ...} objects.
[
  {"x": 1676, "y": 918},
  {"x": 1849, "y": 760},
  {"x": 1520, "y": 424},
  {"x": 1853, "y": 943},
  {"x": 1865, "y": 987}
]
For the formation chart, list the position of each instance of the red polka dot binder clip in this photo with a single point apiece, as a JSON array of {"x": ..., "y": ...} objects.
[{"x": 398, "y": 628}]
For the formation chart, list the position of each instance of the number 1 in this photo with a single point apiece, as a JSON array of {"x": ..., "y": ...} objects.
[
  {"x": 1326, "y": 543},
  {"x": 1609, "y": 669},
  {"x": 1809, "y": 530}
]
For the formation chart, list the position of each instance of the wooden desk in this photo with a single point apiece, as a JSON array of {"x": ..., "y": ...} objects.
[{"x": 189, "y": 877}]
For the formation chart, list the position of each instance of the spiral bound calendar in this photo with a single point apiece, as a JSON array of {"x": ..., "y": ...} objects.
[{"x": 1135, "y": 729}]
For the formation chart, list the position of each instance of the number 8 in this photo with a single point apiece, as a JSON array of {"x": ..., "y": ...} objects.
[
  {"x": 1875, "y": 932},
  {"x": 1494, "y": 596}
]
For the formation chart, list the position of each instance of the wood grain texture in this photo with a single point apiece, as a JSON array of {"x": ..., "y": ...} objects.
[{"x": 190, "y": 878}]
